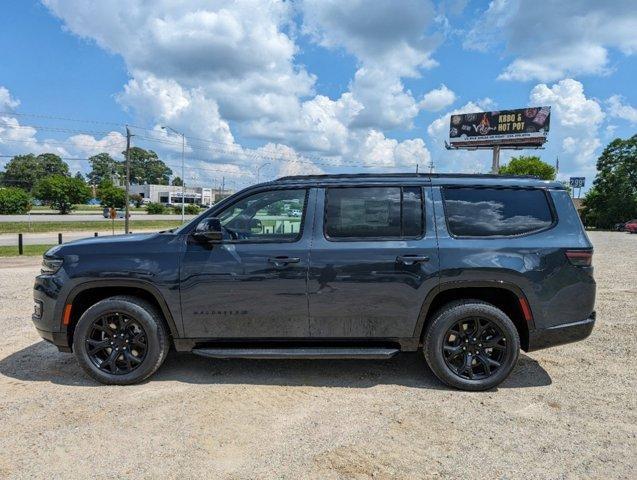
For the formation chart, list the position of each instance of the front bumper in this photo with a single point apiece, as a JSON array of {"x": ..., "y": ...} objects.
[
  {"x": 59, "y": 339},
  {"x": 47, "y": 317},
  {"x": 561, "y": 334}
]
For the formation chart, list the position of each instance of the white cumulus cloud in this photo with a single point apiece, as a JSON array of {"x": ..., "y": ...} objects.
[
  {"x": 437, "y": 99},
  {"x": 555, "y": 39},
  {"x": 618, "y": 109}
]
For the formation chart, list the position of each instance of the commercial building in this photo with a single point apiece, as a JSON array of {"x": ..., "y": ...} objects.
[{"x": 172, "y": 194}]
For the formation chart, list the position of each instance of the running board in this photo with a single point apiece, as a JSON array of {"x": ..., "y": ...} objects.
[{"x": 305, "y": 353}]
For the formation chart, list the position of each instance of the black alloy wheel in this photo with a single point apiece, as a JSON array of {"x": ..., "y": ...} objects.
[
  {"x": 471, "y": 345},
  {"x": 121, "y": 340},
  {"x": 116, "y": 343},
  {"x": 474, "y": 348}
]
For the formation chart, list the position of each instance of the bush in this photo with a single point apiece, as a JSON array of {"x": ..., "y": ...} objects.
[
  {"x": 155, "y": 208},
  {"x": 191, "y": 209},
  {"x": 14, "y": 201}
]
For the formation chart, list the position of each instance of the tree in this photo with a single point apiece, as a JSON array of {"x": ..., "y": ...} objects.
[
  {"x": 21, "y": 172},
  {"x": 103, "y": 167},
  {"x": 14, "y": 201},
  {"x": 137, "y": 199},
  {"x": 529, "y": 165},
  {"x": 61, "y": 192},
  {"x": 146, "y": 167},
  {"x": 51, "y": 164},
  {"x": 177, "y": 182},
  {"x": 24, "y": 171},
  {"x": 111, "y": 196},
  {"x": 613, "y": 197},
  {"x": 79, "y": 176}
]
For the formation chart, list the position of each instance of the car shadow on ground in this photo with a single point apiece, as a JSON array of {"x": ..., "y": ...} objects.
[{"x": 41, "y": 362}]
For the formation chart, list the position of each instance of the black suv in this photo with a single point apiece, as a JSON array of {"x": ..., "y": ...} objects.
[{"x": 469, "y": 267}]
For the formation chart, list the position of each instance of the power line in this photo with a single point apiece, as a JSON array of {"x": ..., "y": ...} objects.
[{"x": 221, "y": 148}]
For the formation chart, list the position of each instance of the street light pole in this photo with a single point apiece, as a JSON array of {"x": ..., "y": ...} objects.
[
  {"x": 259, "y": 170},
  {"x": 127, "y": 186},
  {"x": 183, "y": 181}
]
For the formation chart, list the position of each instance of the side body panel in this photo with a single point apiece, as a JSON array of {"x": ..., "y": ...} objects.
[
  {"x": 557, "y": 291},
  {"x": 146, "y": 261},
  {"x": 358, "y": 289}
]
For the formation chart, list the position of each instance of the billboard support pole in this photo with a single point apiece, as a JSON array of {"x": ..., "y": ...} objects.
[{"x": 495, "y": 165}]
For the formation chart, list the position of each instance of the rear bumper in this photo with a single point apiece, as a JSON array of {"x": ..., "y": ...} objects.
[{"x": 561, "y": 334}]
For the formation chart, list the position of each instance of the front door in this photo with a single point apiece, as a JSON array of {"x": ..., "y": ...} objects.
[
  {"x": 254, "y": 283},
  {"x": 374, "y": 259}
]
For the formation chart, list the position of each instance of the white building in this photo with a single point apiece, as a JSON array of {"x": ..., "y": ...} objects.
[{"x": 171, "y": 194}]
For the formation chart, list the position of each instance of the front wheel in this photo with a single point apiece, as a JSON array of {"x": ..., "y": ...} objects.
[
  {"x": 471, "y": 345},
  {"x": 120, "y": 340}
]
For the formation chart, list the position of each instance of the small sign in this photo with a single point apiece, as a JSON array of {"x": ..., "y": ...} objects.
[{"x": 577, "y": 182}]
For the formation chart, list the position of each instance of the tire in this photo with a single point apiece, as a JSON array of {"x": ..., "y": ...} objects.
[
  {"x": 442, "y": 354},
  {"x": 144, "y": 331}
]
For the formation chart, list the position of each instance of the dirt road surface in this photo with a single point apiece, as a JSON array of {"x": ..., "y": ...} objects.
[{"x": 566, "y": 412}]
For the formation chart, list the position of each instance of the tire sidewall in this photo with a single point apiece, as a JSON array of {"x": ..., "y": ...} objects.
[
  {"x": 436, "y": 336},
  {"x": 142, "y": 315}
]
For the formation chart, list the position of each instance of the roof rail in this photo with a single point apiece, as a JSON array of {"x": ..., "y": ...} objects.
[{"x": 401, "y": 175}]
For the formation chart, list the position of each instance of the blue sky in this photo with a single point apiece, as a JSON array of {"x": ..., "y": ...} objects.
[{"x": 310, "y": 86}]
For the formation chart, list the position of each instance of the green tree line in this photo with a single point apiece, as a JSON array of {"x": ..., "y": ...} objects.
[{"x": 47, "y": 178}]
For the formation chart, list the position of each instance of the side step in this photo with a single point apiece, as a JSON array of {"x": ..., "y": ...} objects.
[{"x": 301, "y": 352}]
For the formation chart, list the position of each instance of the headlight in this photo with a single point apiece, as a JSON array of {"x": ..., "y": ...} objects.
[{"x": 50, "y": 265}]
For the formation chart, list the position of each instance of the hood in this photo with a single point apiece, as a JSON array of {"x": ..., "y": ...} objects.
[{"x": 107, "y": 244}]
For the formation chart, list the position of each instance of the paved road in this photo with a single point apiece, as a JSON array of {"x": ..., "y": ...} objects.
[{"x": 84, "y": 217}]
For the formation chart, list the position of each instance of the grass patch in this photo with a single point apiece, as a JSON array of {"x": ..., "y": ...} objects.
[
  {"x": 29, "y": 250},
  {"x": 88, "y": 225},
  {"x": 80, "y": 208}
]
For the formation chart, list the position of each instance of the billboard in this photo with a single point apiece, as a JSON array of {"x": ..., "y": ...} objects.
[{"x": 521, "y": 127}]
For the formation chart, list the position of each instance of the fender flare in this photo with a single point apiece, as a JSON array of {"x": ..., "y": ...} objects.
[
  {"x": 451, "y": 285},
  {"x": 132, "y": 283}
]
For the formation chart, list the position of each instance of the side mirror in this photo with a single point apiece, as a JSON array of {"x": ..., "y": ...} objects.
[{"x": 209, "y": 230}]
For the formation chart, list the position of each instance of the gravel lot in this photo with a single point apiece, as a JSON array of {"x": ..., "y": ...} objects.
[{"x": 566, "y": 412}]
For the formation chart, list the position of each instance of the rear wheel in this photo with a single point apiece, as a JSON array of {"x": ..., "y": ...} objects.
[
  {"x": 120, "y": 340},
  {"x": 471, "y": 345}
]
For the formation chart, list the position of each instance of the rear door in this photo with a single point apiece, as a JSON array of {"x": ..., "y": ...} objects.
[{"x": 374, "y": 259}]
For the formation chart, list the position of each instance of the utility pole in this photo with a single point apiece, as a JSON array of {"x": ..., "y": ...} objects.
[
  {"x": 223, "y": 185},
  {"x": 495, "y": 165},
  {"x": 127, "y": 186}
]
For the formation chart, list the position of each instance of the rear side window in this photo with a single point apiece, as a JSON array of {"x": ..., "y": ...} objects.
[
  {"x": 374, "y": 212},
  {"x": 486, "y": 212}
]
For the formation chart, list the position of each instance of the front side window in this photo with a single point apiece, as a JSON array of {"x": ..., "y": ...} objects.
[
  {"x": 276, "y": 215},
  {"x": 374, "y": 212},
  {"x": 486, "y": 212}
]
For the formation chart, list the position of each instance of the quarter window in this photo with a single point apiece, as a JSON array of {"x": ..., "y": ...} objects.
[
  {"x": 374, "y": 212},
  {"x": 276, "y": 215},
  {"x": 486, "y": 212}
]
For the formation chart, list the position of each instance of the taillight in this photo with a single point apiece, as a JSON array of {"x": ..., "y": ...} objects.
[{"x": 580, "y": 258}]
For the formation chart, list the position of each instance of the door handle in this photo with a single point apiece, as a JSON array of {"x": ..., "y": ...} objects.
[
  {"x": 412, "y": 259},
  {"x": 280, "y": 262}
]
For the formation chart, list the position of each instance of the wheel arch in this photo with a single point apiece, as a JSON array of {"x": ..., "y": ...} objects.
[
  {"x": 506, "y": 296},
  {"x": 86, "y": 294}
]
